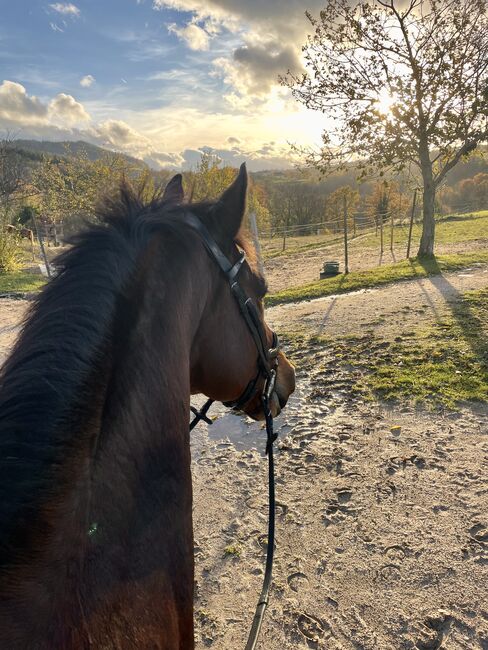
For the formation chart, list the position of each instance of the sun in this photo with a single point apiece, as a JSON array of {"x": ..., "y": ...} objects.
[{"x": 384, "y": 102}]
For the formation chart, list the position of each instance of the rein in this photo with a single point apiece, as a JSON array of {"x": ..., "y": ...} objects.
[{"x": 267, "y": 363}]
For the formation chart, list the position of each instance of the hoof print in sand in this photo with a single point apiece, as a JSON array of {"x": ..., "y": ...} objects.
[
  {"x": 385, "y": 491},
  {"x": 478, "y": 544},
  {"x": 434, "y": 631},
  {"x": 398, "y": 463},
  {"x": 396, "y": 553},
  {"x": 297, "y": 581},
  {"x": 313, "y": 629},
  {"x": 307, "y": 470},
  {"x": 388, "y": 573}
]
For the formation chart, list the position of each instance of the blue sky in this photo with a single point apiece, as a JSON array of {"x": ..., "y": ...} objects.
[{"x": 160, "y": 79}]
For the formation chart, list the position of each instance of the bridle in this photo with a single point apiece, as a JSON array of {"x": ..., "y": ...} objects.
[{"x": 267, "y": 364}]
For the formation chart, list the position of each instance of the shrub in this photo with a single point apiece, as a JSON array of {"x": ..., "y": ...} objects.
[{"x": 10, "y": 251}]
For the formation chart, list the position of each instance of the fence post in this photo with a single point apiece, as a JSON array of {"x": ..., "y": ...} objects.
[
  {"x": 255, "y": 236},
  {"x": 391, "y": 230},
  {"x": 346, "y": 252},
  {"x": 381, "y": 216},
  {"x": 43, "y": 250},
  {"x": 411, "y": 223}
]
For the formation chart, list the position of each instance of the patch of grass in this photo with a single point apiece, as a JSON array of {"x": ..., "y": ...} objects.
[
  {"x": 450, "y": 229},
  {"x": 405, "y": 270},
  {"x": 21, "y": 282},
  {"x": 232, "y": 550},
  {"x": 442, "y": 365}
]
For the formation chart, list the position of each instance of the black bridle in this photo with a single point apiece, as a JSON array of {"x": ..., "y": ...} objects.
[{"x": 267, "y": 363}]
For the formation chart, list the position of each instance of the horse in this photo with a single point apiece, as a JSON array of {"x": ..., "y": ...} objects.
[{"x": 96, "y": 537}]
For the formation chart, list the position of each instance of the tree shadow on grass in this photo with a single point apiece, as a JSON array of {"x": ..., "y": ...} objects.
[{"x": 462, "y": 308}]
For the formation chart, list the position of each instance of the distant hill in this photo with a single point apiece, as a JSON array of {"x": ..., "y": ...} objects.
[
  {"x": 34, "y": 149},
  {"x": 65, "y": 148}
]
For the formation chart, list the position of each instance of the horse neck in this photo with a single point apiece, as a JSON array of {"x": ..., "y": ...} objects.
[{"x": 123, "y": 506}]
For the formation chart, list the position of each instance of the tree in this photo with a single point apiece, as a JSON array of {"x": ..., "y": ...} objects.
[
  {"x": 210, "y": 178},
  {"x": 13, "y": 178},
  {"x": 407, "y": 83},
  {"x": 343, "y": 197}
]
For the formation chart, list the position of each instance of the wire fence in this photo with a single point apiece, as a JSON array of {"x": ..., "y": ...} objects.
[{"x": 389, "y": 228}]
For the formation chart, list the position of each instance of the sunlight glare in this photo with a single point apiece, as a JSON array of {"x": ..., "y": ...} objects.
[{"x": 384, "y": 102}]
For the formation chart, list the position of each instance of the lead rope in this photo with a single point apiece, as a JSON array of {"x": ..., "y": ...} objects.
[
  {"x": 264, "y": 597},
  {"x": 270, "y": 438}
]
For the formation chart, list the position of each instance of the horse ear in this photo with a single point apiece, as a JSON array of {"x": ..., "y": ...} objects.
[
  {"x": 232, "y": 205},
  {"x": 174, "y": 190}
]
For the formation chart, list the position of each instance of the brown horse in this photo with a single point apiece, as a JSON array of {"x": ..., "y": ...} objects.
[{"x": 96, "y": 540}]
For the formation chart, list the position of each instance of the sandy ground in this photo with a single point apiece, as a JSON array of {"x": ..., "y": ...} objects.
[
  {"x": 382, "y": 536},
  {"x": 384, "y": 310}
]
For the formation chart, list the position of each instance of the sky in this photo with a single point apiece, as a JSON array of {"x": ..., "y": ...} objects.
[{"x": 162, "y": 80}]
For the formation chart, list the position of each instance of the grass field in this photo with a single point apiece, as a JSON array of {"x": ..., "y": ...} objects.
[
  {"x": 405, "y": 270},
  {"x": 20, "y": 282},
  {"x": 439, "y": 365},
  {"x": 449, "y": 229}
]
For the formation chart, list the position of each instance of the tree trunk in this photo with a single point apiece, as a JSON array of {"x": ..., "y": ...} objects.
[{"x": 426, "y": 248}]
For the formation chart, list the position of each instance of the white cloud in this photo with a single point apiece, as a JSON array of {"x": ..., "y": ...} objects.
[
  {"x": 118, "y": 134},
  {"x": 17, "y": 106},
  {"x": 87, "y": 81},
  {"x": 18, "y": 109},
  {"x": 192, "y": 34},
  {"x": 271, "y": 40},
  {"x": 56, "y": 28},
  {"x": 66, "y": 9},
  {"x": 65, "y": 108}
]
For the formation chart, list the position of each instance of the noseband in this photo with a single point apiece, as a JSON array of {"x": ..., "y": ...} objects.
[{"x": 267, "y": 364}]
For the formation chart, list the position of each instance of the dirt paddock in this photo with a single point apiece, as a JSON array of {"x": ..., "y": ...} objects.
[{"x": 382, "y": 533}]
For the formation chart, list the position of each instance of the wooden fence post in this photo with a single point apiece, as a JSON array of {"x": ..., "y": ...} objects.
[
  {"x": 391, "y": 230},
  {"x": 346, "y": 252},
  {"x": 43, "y": 250},
  {"x": 255, "y": 236},
  {"x": 381, "y": 216}
]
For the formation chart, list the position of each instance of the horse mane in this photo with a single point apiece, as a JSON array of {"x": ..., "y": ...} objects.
[{"x": 45, "y": 383}]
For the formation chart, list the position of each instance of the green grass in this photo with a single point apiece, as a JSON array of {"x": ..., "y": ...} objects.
[
  {"x": 405, "y": 270},
  {"x": 448, "y": 363},
  {"x": 450, "y": 229},
  {"x": 441, "y": 365},
  {"x": 20, "y": 282},
  {"x": 233, "y": 550}
]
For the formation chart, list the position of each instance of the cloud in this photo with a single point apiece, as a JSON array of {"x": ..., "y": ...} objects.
[
  {"x": 161, "y": 160},
  {"x": 56, "y": 28},
  {"x": 18, "y": 109},
  {"x": 67, "y": 109},
  {"x": 118, "y": 134},
  {"x": 287, "y": 20},
  {"x": 271, "y": 41},
  {"x": 192, "y": 34},
  {"x": 259, "y": 66},
  {"x": 87, "y": 81},
  {"x": 16, "y": 106},
  {"x": 65, "y": 9}
]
